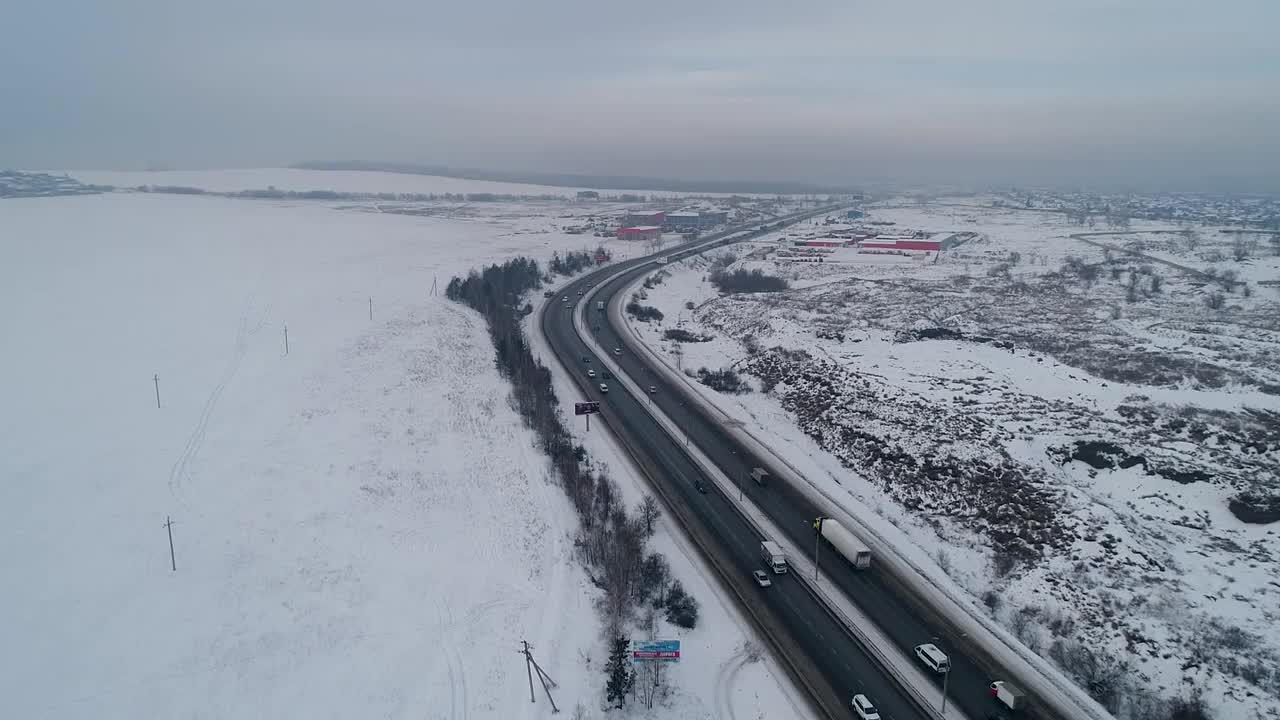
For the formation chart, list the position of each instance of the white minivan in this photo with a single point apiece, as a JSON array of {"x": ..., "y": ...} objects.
[{"x": 933, "y": 658}]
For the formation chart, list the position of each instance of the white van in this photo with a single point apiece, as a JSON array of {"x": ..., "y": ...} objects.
[{"x": 933, "y": 658}]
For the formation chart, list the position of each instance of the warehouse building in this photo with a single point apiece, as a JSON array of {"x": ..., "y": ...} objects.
[
  {"x": 644, "y": 218},
  {"x": 855, "y": 215},
  {"x": 684, "y": 221},
  {"x": 642, "y": 233}
]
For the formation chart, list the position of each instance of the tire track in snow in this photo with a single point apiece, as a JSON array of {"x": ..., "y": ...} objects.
[
  {"x": 726, "y": 681},
  {"x": 181, "y": 466},
  {"x": 453, "y": 661}
]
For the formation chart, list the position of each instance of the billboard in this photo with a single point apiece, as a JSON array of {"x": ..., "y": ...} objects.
[
  {"x": 656, "y": 651},
  {"x": 586, "y": 408}
]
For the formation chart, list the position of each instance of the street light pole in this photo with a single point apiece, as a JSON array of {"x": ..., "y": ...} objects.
[
  {"x": 817, "y": 543},
  {"x": 946, "y": 679}
]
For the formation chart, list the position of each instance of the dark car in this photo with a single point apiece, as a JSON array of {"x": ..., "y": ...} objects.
[
  {"x": 586, "y": 358},
  {"x": 605, "y": 374},
  {"x": 700, "y": 486}
]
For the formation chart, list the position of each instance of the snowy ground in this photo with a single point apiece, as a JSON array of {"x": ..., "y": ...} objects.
[
  {"x": 362, "y": 526},
  {"x": 964, "y": 440},
  {"x": 336, "y": 180}
]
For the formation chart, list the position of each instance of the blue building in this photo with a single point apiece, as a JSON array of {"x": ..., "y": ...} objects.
[{"x": 855, "y": 215}]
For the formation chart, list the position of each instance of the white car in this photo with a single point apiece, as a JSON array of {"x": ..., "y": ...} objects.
[
  {"x": 604, "y": 387},
  {"x": 617, "y": 351},
  {"x": 761, "y": 579},
  {"x": 591, "y": 373},
  {"x": 864, "y": 708}
]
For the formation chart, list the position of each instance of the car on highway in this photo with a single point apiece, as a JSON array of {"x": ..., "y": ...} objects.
[
  {"x": 579, "y": 293},
  {"x": 617, "y": 351},
  {"x": 565, "y": 298},
  {"x": 761, "y": 579},
  {"x": 586, "y": 358},
  {"x": 653, "y": 389},
  {"x": 604, "y": 387},
  {"x": 700, "y": 486},
  {"x": 548, "y": 293},
  {"x": 605, "y": 374},
  {"x": 933, "y": 658},
  {"x": 864, "y": 708},
  {"x": 591, "y": 373}
]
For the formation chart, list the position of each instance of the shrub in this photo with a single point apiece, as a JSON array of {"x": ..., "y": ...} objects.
[
  {"x": 725, "y": 381},
  {"x": 1215, "y": 300},
  {"x": 742, "y": 281},
  {"x": 682, "y": 608},
  {"x": 682, "y": 335},
  {"x": 644, "y": 313}
]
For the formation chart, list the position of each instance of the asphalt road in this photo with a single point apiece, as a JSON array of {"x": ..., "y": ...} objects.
[
  {"x": 845, "y": 666},
  {"x": 832, "y": 652}
]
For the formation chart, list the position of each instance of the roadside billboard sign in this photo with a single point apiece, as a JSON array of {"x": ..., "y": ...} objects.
[
  {"x": 586, "y": 408},
  {"x": 656, "y": 651}
]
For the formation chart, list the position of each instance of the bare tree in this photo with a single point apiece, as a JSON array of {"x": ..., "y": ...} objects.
[{"x": 649, "y": 514}]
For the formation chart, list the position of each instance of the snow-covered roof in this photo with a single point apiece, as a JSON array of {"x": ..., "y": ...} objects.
[
  {"x": 682, "y": 215},
  {"x": 641, "y": 228}
]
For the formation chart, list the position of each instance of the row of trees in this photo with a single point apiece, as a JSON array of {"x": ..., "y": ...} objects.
[
  {"x": 572, "y": 263},
  {"x": 611, "y": 541},
  {"x": 274, "y": 193}
]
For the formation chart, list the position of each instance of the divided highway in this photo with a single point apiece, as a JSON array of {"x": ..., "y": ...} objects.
[
  {"x": 827, "y": 646},
  {"x": 813, "y": 645}
]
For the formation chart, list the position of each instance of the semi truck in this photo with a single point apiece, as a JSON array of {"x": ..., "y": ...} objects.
[
  {"x": 844, "y": 542},
  {"x": 773, "y": 556},
  {"x": 760, "y": 476}
]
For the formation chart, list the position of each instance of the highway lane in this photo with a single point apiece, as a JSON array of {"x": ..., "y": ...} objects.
[
  {"x": 874, "y": 593},
  {"x": 843, "y": 665}
]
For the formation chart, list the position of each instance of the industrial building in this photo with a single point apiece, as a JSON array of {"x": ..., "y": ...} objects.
[
  {"x": 696, "y": 219},
  {"x": 855, "y": 215},
  {"x": 588, "y": 195},
  {"x": 642, "y": 232},
  {"x": 644, "y": 218},
  {"x": 893, "y": 242}
]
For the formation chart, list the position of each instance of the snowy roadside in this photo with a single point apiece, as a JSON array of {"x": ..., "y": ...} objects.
[{"x": 835, "y": 316}]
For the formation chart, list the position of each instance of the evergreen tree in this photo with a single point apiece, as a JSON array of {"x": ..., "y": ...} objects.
[{"x": 621, "y": 677}]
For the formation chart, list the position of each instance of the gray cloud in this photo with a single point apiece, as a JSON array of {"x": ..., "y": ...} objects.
[{"x": 1168, "y": 92}]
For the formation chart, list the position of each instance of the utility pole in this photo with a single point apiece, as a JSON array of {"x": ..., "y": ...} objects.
[
  {"x": 817, "y": 543},
  {"x": 157, "y": 379},
  {"x": 547, "y": 683},
  {"x": 370, "y": 307},
  {"x": 434, "y": 279},
  {"x": 168, "y": 524},
  {"x": 286, "y": 339}
]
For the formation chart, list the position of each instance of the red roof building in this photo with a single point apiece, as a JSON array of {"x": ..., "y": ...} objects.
[{"x": 644, "y": 232}]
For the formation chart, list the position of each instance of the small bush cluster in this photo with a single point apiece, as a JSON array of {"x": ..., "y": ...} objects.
[
  {"x": 682, "y": 335},
  {"x": 742, "y": 281},
  {"x": 725, "y": 381},
  {"x": 644, "y": 313}
]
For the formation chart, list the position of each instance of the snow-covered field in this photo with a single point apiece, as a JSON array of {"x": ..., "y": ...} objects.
[
  {"x": 362, "y": 527},
  {"x": 349, "y": 181},
  {"x": 947, "y": 400}
]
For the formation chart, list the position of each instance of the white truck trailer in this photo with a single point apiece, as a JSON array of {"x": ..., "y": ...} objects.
[
  {"x": 845, "y": 543},
  {"x": 1008, "y": 694},
  {"x": 773, "y": 556}
]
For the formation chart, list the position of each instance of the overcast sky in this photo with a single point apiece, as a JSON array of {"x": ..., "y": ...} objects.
[{"x": 1144, "y": 91}]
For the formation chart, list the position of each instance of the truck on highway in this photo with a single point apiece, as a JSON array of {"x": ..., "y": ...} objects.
[
  {"x": 1008, "y": 694},
  {"x": 773, "y": 556},
  {"x": 600, "y": 305},
  {"x": 760, "y": 476},
  {"x": 662, "y": 260},
  {"x": 845, "y": 542}
]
